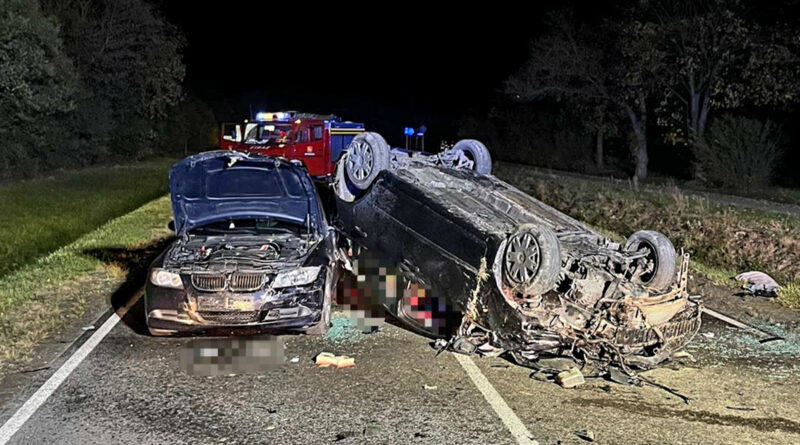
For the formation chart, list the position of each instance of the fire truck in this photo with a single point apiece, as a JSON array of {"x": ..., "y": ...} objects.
[
  {"x": 319, "y": 142},
  {"x": 316, "y": 140}
]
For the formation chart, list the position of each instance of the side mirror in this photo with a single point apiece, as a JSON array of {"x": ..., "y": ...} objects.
[{"x": 171, "y": 225}]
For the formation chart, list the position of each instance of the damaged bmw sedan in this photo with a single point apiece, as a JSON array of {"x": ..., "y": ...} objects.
[
  {"x": 253, "y": 249},
  {"x": 525, "y": 279}
]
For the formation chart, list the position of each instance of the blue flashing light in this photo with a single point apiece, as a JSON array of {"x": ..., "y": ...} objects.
[
  {"x": 261, "y": 116},
  {"x": 408, "y": 131}
]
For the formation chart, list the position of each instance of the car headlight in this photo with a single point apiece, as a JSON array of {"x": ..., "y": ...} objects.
[
  {"x": 297, "y": 277},
  {"x": 164, "y": 278}
]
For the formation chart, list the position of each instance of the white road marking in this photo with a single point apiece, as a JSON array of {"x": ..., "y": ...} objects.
[
  {"x": 44, "y": 392},
  {"x": 500, "y": 407}
]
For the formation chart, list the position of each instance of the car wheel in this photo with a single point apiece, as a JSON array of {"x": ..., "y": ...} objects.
[
  {"x": 477, "y": 153},
  {"x": 324, "y": 324},
  {"x": 367, "y": 155},
  {"x": 659, "y": 263},
  {"x": 341, "y": 187},
  {"x": 532, "y": 259}
]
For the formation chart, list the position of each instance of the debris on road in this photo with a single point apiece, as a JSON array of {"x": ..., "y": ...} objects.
[
  {"x": 326, "y": 359},
  {"x": 540, "y": 376},
  {"x": 586, "y": 435},
  {"x": 763, "y": 335},
  {"x": 294, "y": 360},
  {"x": 616, "y": 375},
  {"x": 88, "y": 328},
  {"x": 570, "y": 378},
  {"x": 683, "y": 355},
  {"x": 430, "y": 387},
  {"x": 758, "y": 283}
]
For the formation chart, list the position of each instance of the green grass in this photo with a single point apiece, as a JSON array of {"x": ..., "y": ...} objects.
[
  {"x": 38, "y": 298},
  {"x": 722, "y": 240},
  {"x": 789, "y": 295},
  {"x": 41, "y": 215}
]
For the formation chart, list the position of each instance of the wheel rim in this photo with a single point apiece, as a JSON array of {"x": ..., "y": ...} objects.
[
  {"x": 360, "y": 161},
  {"x": 523, "y": 258},
  {"x": 649, "y": 263}
]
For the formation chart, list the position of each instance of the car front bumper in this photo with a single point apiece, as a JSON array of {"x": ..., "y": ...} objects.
[{"x": 186, "y": 310}]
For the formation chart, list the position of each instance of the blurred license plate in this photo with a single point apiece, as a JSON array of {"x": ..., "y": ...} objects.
[{"x": 228, "y": 303}]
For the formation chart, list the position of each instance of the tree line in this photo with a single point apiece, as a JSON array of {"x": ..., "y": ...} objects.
[
  {"x": 91, "y": 81},
  {"x": 687, "y": 72}
]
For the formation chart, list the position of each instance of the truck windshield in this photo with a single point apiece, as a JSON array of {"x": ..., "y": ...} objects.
[{"x": 260, "y": 133}]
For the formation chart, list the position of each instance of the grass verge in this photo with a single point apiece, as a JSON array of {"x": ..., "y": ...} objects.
[
  {"x": 41, "y": 215},
  {"x": 39, "y": 298},
  {"x": 721, "y": 239}
]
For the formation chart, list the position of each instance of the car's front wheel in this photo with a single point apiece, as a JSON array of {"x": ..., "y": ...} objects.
[
  {"x": 324, "y": 324},
  {"x": 656, "y": 269}
]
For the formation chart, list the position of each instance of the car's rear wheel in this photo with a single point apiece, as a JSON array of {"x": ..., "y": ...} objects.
[
  {"x": 367, "y": 155},
  {"x": 476, "y": 152},
  {"x": 656, "y": 269},
  {"x": 532, "y": 260}
]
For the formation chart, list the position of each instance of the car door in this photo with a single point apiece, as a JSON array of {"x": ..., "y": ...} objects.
[{"x": 309, "y": 147}]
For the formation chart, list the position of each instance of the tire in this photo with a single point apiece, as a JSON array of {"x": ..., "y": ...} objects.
[
  {"x": 367, "y": 156},
  {"x": 324, "y": 324},
  {"x": 478, "y": 153},
  {"x": 532, "y": 259},
  {"x": 341, "y": 188},
  {"x": 662, "y": 252}
]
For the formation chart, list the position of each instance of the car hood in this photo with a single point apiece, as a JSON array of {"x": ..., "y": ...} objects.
[{"x": 223, "y": 185}]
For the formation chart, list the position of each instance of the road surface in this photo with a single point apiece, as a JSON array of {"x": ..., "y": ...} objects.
[{"x": 130, "y": 388}]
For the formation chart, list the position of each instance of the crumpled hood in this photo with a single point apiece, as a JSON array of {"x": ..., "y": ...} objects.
[{"x": 222, "y": 185}]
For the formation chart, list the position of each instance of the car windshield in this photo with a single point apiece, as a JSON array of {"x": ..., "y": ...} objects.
[
  {"x": 267, "y": 133},
  {"x": 260, "y": 226}
]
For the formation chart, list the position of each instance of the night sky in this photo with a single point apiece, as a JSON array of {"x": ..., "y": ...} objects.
[{"x": 407, "y": 64}]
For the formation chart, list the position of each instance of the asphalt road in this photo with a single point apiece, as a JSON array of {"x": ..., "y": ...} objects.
[{"x": 131, "y": 388}]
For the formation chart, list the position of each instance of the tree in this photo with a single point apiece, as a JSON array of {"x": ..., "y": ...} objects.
[
  {"x": 607, "y": 66},
  {"x": 129, "y": 59},
  {"x": 37, "y": 83},
  {"x": 712, "y": 58}
]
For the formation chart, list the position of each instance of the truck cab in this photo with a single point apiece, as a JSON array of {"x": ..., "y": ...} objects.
[{"x": 315, "y": 140}]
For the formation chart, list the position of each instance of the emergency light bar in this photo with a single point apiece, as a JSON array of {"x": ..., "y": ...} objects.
[{"x": 284, "y": 116}]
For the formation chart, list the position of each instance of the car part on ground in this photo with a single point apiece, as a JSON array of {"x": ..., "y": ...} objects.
[
  {"x": 253, "y": 249},
  {"x": 527, "y": 279}
]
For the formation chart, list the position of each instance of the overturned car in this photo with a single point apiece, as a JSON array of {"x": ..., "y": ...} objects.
[
  {"x": 253, "y": 249},
  {"x": 525, "y": 278}
]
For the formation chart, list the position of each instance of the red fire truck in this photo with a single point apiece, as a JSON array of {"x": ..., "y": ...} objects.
[{"x": 316, "y": 140}]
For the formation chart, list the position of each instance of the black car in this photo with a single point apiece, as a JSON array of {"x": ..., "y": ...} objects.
[
  {"x": 253, "y": 249},
  {"x": 523, "y": 277}
]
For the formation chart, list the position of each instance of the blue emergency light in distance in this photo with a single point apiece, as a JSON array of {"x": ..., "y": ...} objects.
[{"x": 408, "y": 131}]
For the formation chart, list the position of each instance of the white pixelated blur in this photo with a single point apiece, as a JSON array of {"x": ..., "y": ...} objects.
[{"x": 209, "y": 357}]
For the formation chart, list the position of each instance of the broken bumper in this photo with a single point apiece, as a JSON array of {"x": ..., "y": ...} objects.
[{"x": 295, "y": 308}]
